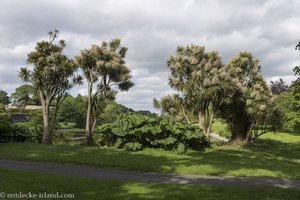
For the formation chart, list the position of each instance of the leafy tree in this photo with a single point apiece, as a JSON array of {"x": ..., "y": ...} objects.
[
  {"x": 67, "y": 110},
  {"x": 201, "y": 80},
  {"x": 279, "y": 86},
  {"x": 113, "y": 111},
  {"x": 172, "y": 105},
  {"x": 4, "y": 99},
  {"x": 289, "y": 104},
  {"x": 105, "y": 69},
  {"x": 24, "y": 95},
  {"x": 50, "y": 77},
  {"x": 248, "y": 112}
]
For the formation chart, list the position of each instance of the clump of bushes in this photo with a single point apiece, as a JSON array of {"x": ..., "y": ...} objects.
[
  {"x": 135, "y": 132},
  {"x": 20, "y": 132},
  {"x": 6, "y": 128},
  {"x": 27, "y": 132}
]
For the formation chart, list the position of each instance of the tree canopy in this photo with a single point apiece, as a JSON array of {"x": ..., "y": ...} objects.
[
  {"x": 279, "y": 86},
  {"x": 4, "y": 98},
  {"x": 24, "y": 95}
]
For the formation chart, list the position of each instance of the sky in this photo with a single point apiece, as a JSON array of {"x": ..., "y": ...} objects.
[{"x": 152, "y": 29}]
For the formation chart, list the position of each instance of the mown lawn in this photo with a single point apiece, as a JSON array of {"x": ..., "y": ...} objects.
[
  {"x": 85, "y": 188},
  {"x": 274, "y": 155}
]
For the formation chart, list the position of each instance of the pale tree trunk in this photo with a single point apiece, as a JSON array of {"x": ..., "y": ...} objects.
[
  {"x": 94, "y": 124},
  {"x": 201, "y": 120},
  {"x": 184, "y": 114},
  {"x": 47, "y": 137},
  {"x": 205, "y": 121},
  {"x": 211, "y": 118},
  {"x": 88, "y": 131},
  {"x": 249, "y": 134}
]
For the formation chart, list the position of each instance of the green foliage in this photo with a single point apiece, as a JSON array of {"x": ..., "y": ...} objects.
[
  {"x": 24, "y": 95},
  {"x": 27, "y": 132},
  {"x": 279, "y": 87},
  {"x": 4, "y": 99},
  {"x": 21, "y": 132},
  {"x": 172, "y": 105},
  {"x": 136, "y": 131},
  {"x": 6, "y": 128},
  {"x": 133, "y": 146},
  {"x": 112, "y": 112},
  {"x": 289, "y": 104},
  {"x": 181, "y": 148}
]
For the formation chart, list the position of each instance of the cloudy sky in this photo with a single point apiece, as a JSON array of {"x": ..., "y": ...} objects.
[{"x": 152, "y": 29}]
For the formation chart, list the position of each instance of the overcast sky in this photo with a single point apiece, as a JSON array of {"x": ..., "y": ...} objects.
[{"x": 152, "y": 29}]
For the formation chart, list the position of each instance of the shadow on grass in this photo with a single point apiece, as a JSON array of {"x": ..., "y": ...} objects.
[
  {"x": 267, "y": 158},
  {"x": 84, "y": 188}
]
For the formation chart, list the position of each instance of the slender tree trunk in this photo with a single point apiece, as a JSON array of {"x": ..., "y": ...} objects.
[
  {"x": 249, "y": 133},
  {"x": 201, "y": 120},
  {"x": 184, "y": 114},
  {"x": 211, "y": 118},
  {"x": 47, "y": 137},
  {"x": 60, "y": 98},
  {"x": 94, "y": 124},
  {"x": 53, "y": 122},
  {"x": 88, "y": 131}
]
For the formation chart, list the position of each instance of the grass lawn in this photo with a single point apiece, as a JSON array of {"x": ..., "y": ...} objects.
[
  {"x": 273, "y": 155},
  {"x": 85, "y": 188}
]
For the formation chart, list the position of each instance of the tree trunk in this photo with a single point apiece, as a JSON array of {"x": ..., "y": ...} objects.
[
  {"x": 184, "y": 114},
  {"x": 60, "y": 98},
  {"x": 201, "y": 120},
  {"x": 47, "y": 137},
  {"x": 94, "y": 124},
  {"x": 211, "y": 118},
  {"x": 88, "y": 131},
  {"x": 239, "y": 131}
]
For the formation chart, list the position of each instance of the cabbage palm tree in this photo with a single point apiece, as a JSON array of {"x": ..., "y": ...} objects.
[
  {"x": 52, "y": 74},
  {"x": 104, "y": 69}
]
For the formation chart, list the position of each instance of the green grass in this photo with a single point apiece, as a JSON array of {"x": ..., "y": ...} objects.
[
  {"x": 221, "y": 128},
  {"x": 273, "y": 155},
  {"x": 86, "y": 188}
]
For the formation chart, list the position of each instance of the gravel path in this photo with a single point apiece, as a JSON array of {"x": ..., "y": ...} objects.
[{"x": 124, "y": 175}]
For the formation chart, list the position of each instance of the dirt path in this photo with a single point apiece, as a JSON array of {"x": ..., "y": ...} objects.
[{"x": 124, "y": 175}]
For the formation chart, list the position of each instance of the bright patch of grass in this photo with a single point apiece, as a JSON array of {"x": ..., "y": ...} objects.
[
  {"x": 274, "y": 155},
  {"x": 221, "y": 128},
  {"x": 85, "y": 188}
]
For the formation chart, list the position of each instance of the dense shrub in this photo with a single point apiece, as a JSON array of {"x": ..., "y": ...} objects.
[
  {"x": 6, "y": 128},
  {"x": 289, "y": 104},
  {"x": 134, "y": 132},
  {"x": 27, "y": 132},
  {"x": 21, "y": 132}
]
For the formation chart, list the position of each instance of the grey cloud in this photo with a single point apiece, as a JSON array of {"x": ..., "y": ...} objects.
[{"x": 152, "y": 29}]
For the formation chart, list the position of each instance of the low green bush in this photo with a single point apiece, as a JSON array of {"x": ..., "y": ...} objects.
[
  {"x": 6, "y": 128},
  {"x": 27, "y": 132},
  {"x": 134, "y": 132}
]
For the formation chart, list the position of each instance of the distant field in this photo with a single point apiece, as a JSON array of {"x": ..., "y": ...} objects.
[
  {"x": 85, "y": 188},
  {"x": 273, "y": 155}
]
